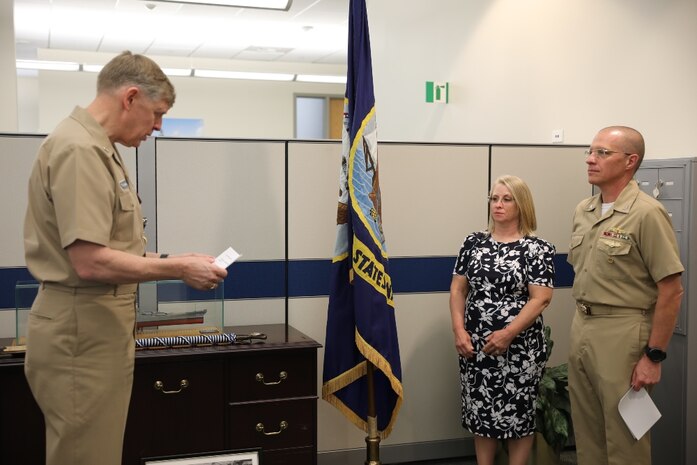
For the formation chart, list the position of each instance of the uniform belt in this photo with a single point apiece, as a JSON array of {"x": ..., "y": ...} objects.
[
  {"x": 596, "y": 309},
  {"x": 113, "y": 289}
]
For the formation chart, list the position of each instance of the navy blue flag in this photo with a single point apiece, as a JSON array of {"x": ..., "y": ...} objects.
[{"x": 361, "y": 319}]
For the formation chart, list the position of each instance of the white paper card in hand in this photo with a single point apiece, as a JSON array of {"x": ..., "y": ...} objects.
[
  {"x": 638, "y": 411},
  {"x": 227, "y": 258}
]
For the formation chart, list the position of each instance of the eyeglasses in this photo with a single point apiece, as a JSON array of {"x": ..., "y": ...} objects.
[
  {"x": 601, "y": 153},
  {"x": 497, "y": 199}
]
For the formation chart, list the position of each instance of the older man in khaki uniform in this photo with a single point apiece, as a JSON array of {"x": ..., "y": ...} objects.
[
  {"x": 628, "y": 290},
  {"x": 84, "y": 243}
]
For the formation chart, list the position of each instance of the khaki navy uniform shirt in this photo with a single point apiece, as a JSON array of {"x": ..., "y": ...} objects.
[
  {"x": 79, "y": 188},
  {"x": 619, "y": 257}
]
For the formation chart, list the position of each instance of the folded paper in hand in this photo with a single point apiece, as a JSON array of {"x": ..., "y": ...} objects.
[
  {"x": 227, "y": 258},
  {"x": 638, "y": 411}
]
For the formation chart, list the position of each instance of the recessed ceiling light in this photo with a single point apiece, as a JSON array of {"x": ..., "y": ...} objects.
[
  {"x": 321, "y": 78},
  {"x": 214, "y": 73},
  {"x": 177, "y": 71},
  {"x": 24, "y": 65},
  {"x": 92, "y": 68},
  {"x": 48, "y": 65},
  {"x": 262, "y": 4}
]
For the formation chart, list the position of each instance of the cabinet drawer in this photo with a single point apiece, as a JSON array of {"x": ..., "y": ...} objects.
[
  {"x": 672, "y": 182},
  {"x": 299, "y": 456},
  {"x": 169, "y": 404},
  {"x": 674, "y": 209},
  {"x": 273, "y": 425},
  {"x": 273, "y": 375}
]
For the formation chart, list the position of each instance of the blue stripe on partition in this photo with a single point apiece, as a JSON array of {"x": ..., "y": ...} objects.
[
  {"x": 256, "y": 280},
  {"x": 564, "y": 272},
  {"x": 427, "y": 274},
  {"x": 9, "y": 277},
  {"x": 245, "y": 280},
  {"x": 309, "y": 278},
  {"x": 306, "y": 278}
]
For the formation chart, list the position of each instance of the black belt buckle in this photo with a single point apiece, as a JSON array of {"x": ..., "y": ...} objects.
[{"x": 585, "y": 308}]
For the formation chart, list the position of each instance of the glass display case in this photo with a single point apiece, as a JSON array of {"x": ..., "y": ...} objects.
[
  {"x": 162, "y": 308},
  {"x": 174, "y": 308},
  {"x": 25, "y": 293}
]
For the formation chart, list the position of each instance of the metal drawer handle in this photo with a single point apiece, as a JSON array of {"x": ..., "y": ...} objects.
[
  {"x": 657, "y": 188},
  {"x": 283, "y": 425},
  {"x": 281, "y": 376},
  {"x": 160, "y": 386}
]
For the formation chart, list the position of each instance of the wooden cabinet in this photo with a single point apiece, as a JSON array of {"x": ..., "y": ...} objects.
[{"x": 190, "y": 401}]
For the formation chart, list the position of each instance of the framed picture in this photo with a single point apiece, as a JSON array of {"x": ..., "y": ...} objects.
[{"x": 238, "y": 457}]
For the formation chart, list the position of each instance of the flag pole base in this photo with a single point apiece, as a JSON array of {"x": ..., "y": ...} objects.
[{"x": 373, "y": 448}]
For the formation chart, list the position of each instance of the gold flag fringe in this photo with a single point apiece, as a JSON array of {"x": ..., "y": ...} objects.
[{"x": 355, "y": 373}]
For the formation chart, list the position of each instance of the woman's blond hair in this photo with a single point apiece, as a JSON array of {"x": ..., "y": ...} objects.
[{"x": 527, "y": 221}]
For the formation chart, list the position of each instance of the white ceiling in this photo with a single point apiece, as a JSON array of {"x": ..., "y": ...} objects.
[{"x": 311, "y": 31}]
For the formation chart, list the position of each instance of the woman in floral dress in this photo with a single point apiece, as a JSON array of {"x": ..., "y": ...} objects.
[{"x": 502, "y": 282}]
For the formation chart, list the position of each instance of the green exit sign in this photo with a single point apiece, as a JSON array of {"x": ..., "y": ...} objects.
[{"x": 437, "y": 92}]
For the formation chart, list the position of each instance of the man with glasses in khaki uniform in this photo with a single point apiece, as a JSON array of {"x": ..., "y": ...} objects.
[
  {"x": 84, "y": 242},
  {"x": 627, "y": 289}
]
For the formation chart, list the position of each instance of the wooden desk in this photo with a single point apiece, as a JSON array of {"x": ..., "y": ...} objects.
[{"x": 236, "y": 397}]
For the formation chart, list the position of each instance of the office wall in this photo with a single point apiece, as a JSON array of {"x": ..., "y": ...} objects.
[
  {"x": 517, "y": 71},
  {"x": 229, "y": 108},
  {"x": 8, "y": 76},
  {"x": 520, "y": 69}
]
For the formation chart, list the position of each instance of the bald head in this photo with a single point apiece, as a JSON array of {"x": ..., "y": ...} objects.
[{"x": 627, "y": 139}]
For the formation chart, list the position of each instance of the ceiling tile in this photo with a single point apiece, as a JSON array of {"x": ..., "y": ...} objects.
[{"x": 313, "y": 30}]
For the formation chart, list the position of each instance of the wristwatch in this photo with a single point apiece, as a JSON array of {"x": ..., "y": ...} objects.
[{"x": 655, "y": 354}]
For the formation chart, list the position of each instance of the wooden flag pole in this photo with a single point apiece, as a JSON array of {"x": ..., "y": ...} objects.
[{"x": 373, "y": 438}]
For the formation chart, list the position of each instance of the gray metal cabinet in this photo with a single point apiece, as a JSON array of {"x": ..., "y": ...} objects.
[
  {"x": 674, "y": 183},
  {"x": 671, "y": 186}
]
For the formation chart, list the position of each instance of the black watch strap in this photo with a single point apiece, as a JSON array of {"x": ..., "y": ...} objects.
[{"x": 655, "y": 354}]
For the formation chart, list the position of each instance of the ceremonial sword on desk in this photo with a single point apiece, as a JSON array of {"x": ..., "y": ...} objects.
[{"x": 171, "y": 342}]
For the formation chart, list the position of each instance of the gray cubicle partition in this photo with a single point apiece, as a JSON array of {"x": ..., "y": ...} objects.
[
  {"x": 275, "y": 202},
  {"x": 17, "y": 154},
  {"x": 558, "y": 182},
  {"x": 213, "y": 194}
]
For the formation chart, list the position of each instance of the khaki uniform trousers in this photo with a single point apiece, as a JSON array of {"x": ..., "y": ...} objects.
[
  {"x": 79, "y": 365},
  {"x": 605, "y": 347}
]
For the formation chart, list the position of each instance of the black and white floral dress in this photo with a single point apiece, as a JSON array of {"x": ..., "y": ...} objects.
[{"x": 499, "y": 392}]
